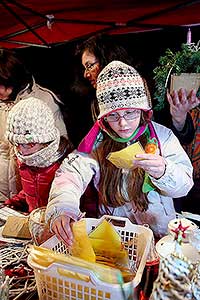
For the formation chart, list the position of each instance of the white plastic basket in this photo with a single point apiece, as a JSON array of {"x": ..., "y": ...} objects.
[{"x": 52, "y": 285}]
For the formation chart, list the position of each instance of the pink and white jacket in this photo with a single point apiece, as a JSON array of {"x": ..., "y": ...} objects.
[{"x": 78, "y": 169}]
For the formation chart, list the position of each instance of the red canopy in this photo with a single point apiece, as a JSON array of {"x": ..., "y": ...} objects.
[{"x": 44, "y": 23}]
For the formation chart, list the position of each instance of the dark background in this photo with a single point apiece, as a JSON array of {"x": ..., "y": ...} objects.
[{"x": 54, "y": 68}]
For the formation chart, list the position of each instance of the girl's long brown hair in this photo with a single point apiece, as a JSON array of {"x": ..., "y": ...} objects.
[{"x": 112, "y": 191}]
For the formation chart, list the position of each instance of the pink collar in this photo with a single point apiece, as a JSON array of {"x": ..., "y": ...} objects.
[{"x": 88, "y": 141}]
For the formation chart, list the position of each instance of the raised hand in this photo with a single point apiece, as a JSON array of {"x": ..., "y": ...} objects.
[
  {"x": 153, "y": 164},
  {"x": 180, "y": 104}
]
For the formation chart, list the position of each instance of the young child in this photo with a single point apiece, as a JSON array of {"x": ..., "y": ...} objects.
[
  {"x": 142, "y": 193},
  {"x": 18, "y": 84},
  {"x": 39, "y": 149}
]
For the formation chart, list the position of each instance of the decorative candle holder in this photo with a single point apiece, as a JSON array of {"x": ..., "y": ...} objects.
[{"x": 39, "y": 229}]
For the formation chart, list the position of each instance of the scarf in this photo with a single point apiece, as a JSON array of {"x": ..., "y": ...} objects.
[
  {"x": 42, "y": 158},
  {"x": 88, "y": 142}
]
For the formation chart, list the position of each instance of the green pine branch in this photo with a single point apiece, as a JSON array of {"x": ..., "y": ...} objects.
[{"x": 184, "y": 61}]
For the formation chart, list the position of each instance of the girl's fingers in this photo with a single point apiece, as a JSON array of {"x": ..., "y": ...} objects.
[{"x": 61, "y": 227}]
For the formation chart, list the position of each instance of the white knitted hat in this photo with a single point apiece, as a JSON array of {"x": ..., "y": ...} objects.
[
  {"x": 31, "y": 121},
  {"x": 120, "y": 86}
]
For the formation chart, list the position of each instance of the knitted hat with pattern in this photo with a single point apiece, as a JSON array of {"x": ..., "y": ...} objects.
[
  {"x": 120, "y": 86},
  {"x": 31, "y": 121}
]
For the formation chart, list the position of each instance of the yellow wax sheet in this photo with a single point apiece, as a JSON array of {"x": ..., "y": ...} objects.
[
  {"x": 123, "y": 159},
  {"x": 107, "y": 244},
  {"x": 105, "y": 239},
  {"x": 45, "y": 257},
  {"x": 105, "y": 230},
  {"x": 82, "y": 246},
  {"x": 102, "y": 251}
]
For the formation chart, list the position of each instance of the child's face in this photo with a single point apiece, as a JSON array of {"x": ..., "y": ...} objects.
[
  {"x": 124, "y": 122},
  {"x": 28, "y": 149}
]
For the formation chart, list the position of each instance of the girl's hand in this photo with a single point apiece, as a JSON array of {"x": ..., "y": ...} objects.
[
  {"x": 62, "y": 228},
  {"x": 153, "y": 164}
]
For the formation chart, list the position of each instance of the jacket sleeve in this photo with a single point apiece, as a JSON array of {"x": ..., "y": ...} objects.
[
  {"x": 186, "y": 135},
  {"x": 70, "y": 182},
  {"x": 164, "y": 117},
  {"x": 177, "y": 179},
  {"x": 18, "y": 201}
]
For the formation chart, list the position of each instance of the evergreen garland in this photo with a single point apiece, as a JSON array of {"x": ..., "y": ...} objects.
[{"x": 187, "y": 60}]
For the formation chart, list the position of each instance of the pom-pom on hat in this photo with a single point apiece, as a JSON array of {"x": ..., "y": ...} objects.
[
  {"x": 31, "y": 121},
  {"x": 121, "y": 86}
]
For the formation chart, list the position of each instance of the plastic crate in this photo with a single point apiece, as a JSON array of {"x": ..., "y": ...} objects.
[{"x": 52, "y": 285}]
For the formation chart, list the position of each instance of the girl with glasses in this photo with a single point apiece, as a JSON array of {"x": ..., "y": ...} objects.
[{"x": 144, "y": 191}]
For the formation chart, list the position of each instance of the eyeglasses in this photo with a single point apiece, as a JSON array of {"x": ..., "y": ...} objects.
[
  {"x": 128, "y": 115},
  {"x": 89, "y": 66}
]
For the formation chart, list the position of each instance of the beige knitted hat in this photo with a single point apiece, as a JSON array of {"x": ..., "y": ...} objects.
[
  {"x": 31, "y": 121},
  {"x": 120, "y": 86}
]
